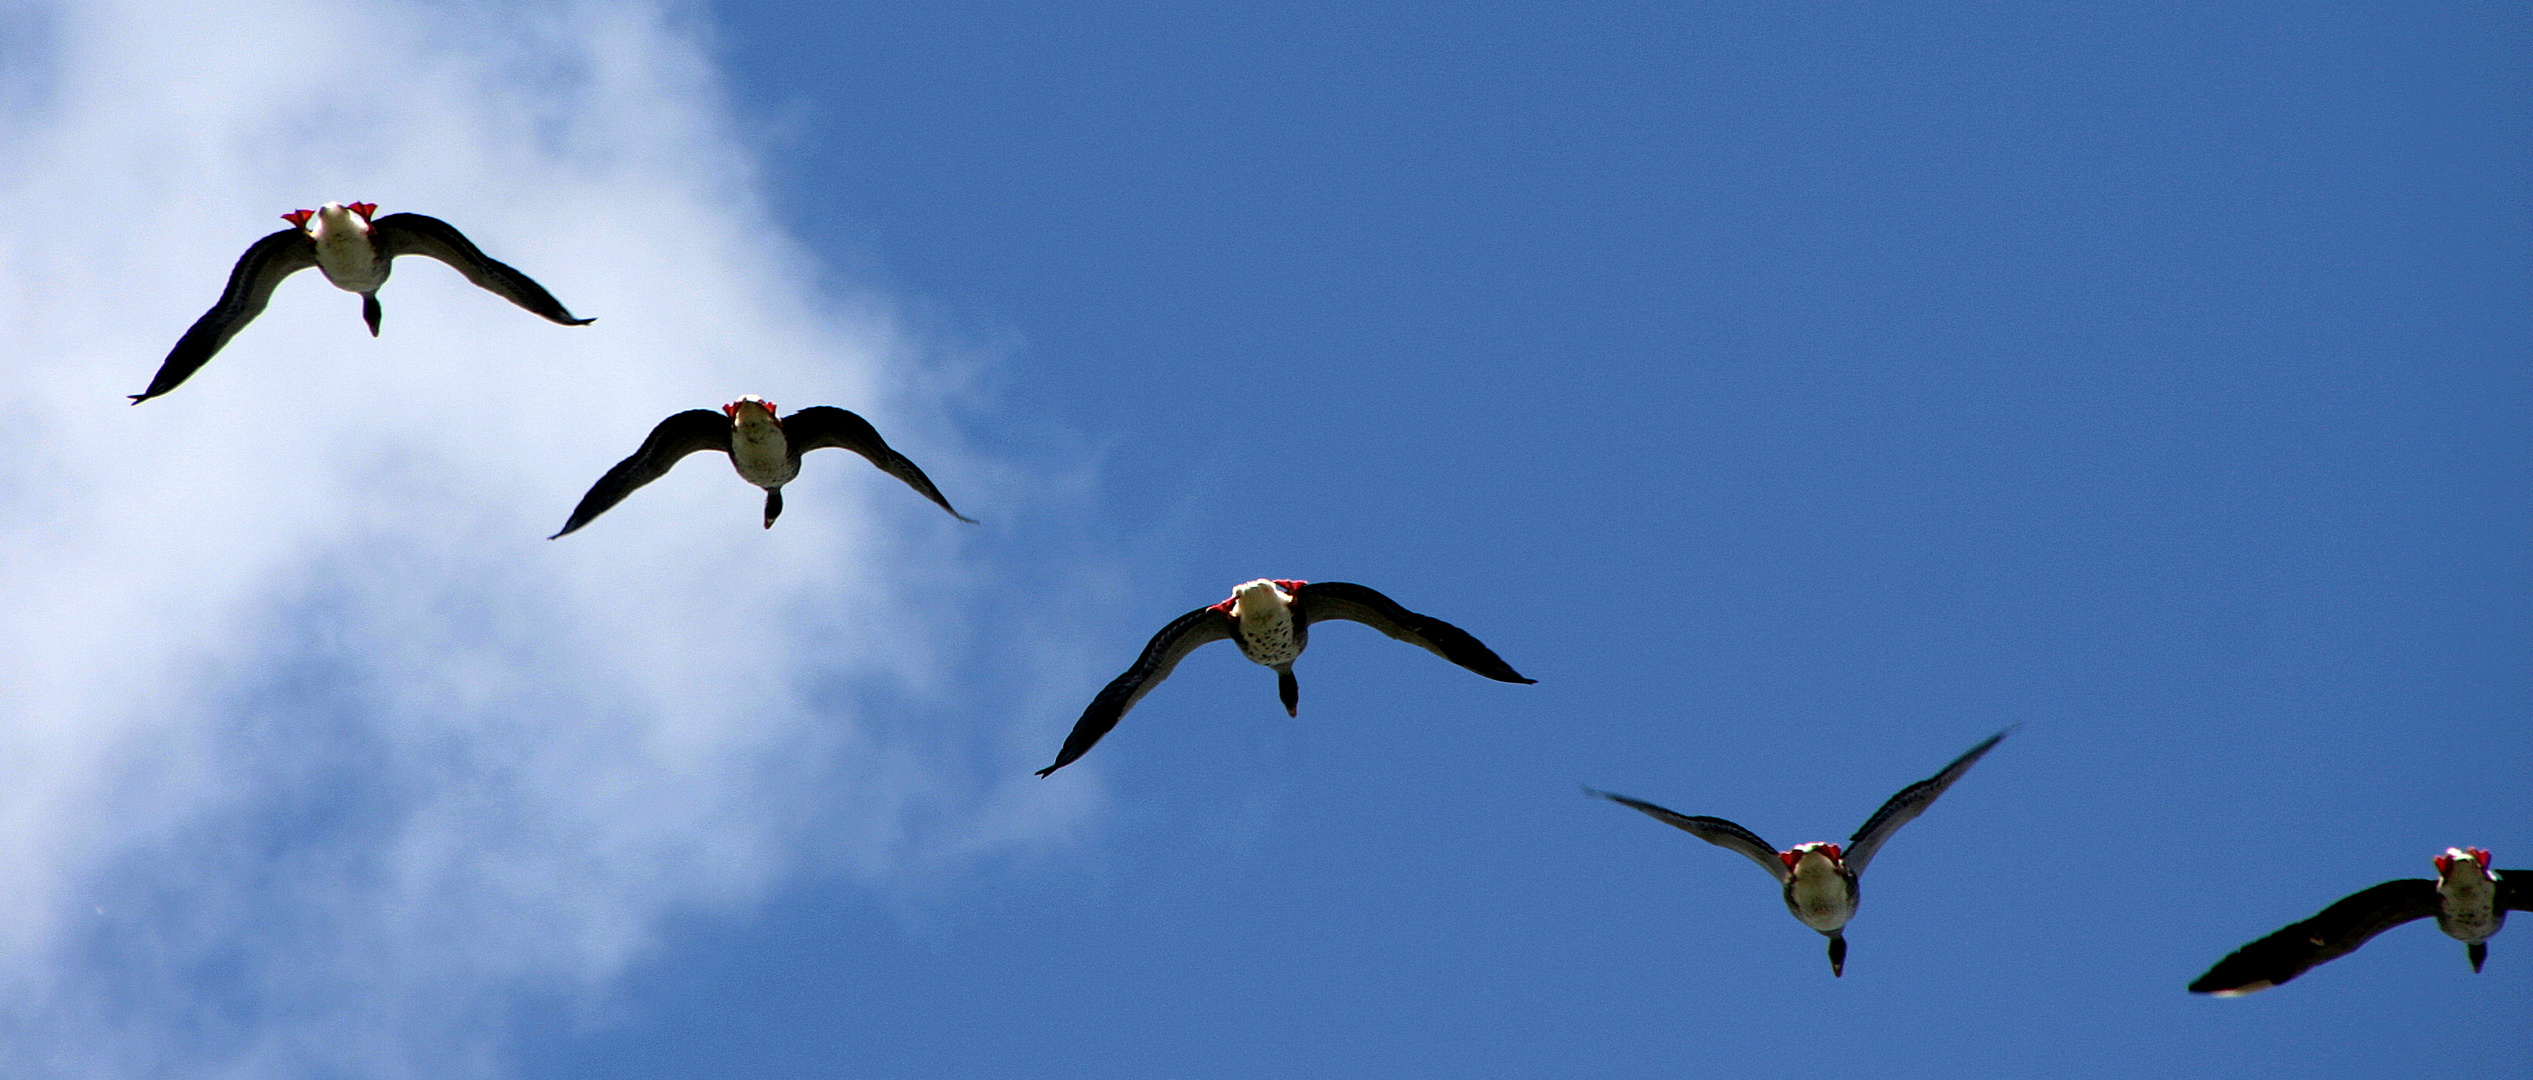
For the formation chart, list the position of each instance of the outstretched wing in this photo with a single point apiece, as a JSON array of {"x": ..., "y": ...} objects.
[
  {"x": 2334, "y": 933},
  {"x": 676, "y": 437},
  {"x": 419, "y": 234},
  {"x": 1163, "y": 653},
  {"x": 820, "y": 426},
  {"x": 1910, "y": 802},
  {"x": 1713, "y": 830},
  {"x": 1323, "y": 600},
  {"x": 251, "y": 284}
]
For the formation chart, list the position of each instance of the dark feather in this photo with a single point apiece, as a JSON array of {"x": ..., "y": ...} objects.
[
  {"x": 251, "y": 284},
  {"x": 1713, "y": 830},
  {"x": 430, "y": 237},
  {"x": 2334, "y": 933},
  {"x": 1184, "y": 634},
  {"x": 1319, "y": 601},
  {"x": 674, "y": 438},
  {"x": 1904, "y": 807},
  {"x": 821, "y": 426}
]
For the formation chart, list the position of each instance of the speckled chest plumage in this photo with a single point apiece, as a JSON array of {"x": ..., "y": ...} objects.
[
  {"x": 2468, "y": 908},
  {"x": 347, "y": 257},
  {"x": 762, "y": 455},
  {"x": 1271, "y": 637},
  {"x": 1821, "y": 894}
]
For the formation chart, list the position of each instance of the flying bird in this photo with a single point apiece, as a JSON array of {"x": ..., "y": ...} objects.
[
  {"x": 1819, "y": 879},
  {"x": 1270, "y": 621},
  {"x": 764, "y": 450},
  {"x": 2469, "y": 900},
  {"x": 355, "y": 253}
]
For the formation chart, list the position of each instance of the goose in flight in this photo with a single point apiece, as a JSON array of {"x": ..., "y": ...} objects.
[
  {"x": 1270, "y": 621},
  {"x": 355, "y": 253},
  {"x": 2469, "y": 900},
  {"x": 764, "y": 450},
  {"x": 1819, "y": 879}
]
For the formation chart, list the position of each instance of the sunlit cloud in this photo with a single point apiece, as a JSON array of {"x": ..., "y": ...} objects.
[{"x": 320, "y": 758}]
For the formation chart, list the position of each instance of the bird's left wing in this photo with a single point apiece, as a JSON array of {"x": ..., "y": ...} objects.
[
  {"x": 430, "y": 237},
  {"x": 1713, "y": 830},
  {"x": 685, "y": 433},
  {"x": 820, "y": 426},
  {"x": 251, "y": 282},
  {"x": 1910, "y": 802},
  {"x": 1323, "y": 600},
  {"x": 1199, "y": 627},
  {"x": 2337, "y": 931}
]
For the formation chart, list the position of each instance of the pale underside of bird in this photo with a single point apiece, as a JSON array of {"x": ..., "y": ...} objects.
[
  {"x": 2467, "y": 898},
  {"x": 1270, "y": 621},
  {"x": 355, "y": 252},
  {"x": 765, "y": 452},
  {"x": 1818, "y": 879}
]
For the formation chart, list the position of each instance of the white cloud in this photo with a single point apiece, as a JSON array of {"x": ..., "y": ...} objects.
[{"x": 319, "y": 759}]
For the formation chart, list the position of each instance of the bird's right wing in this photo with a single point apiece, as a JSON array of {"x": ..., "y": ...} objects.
[
  {"x": 2334, "y": 933},
  {"x": 251, "y": 285},
  {"x": 2515, "y": 890},
  {"x": 676, "y": 437},
  {"x": 1912, "y": 800},
  {"x": 1321, "y": 600},
  {"x": 1713, "y": 830},
  {"x": 430, "y": 237},
  {"x": 820, "y": 426},
  {"x": 1199, "y": 627}
]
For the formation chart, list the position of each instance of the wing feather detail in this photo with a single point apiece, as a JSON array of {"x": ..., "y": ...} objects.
[
  {"x": 430, "y": 237},
  {"x": 2336, "y": 932},
  {"x": 1912, "y": 800},
  {"x": 822, "y": 426},
  {"x": 1320, "y": 601},
  {"x": 1184, "y": 635},
  {"x": 251, "y": 283},
  {"x": 1713, "y": 830},
  {"x": 670, "y": 442}
]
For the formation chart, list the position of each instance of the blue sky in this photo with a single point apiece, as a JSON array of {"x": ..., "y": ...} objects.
[{"x": 1799, "y": 393}]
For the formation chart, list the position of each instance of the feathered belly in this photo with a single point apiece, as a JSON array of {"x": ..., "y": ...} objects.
[
  {"x": 1270, "y": 640},
  {"x": 351, "y": 264},
  {"x": 761, "y": 459},
  {"x": 1820, "y": 901},
  {"x": 2471, "y": 914}
]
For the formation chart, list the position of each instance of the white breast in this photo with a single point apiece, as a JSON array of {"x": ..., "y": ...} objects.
[
  {"x": 1266, "y": 634},
  {"x": 1818, "y": 895},
  {"x": 346, "y": 258},
  {"x": 761, "y": 455},
  {"x": 2470, "y": 911}
]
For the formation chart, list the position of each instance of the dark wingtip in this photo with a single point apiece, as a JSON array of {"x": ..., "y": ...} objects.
[
  {"x": 567, "y": 321},
  {"x": 138, "y": 398},
  {"x": 1049, "y": 769},
  {"x": 1523, "y": 681}
]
